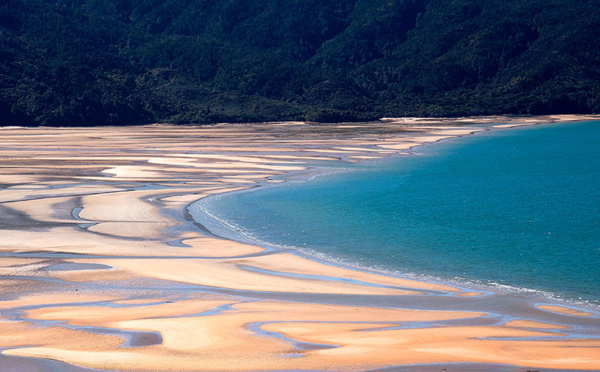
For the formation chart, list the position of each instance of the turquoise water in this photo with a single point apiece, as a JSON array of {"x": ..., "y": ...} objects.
[{"x": 518, "y": 207}]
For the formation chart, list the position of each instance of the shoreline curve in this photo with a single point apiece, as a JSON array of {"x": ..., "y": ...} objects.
[{"x": 110, "y": 204}]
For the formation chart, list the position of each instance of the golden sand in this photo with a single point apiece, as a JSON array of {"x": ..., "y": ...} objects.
[
  {"x": 102, "y": 266},
  {"x": 565, "y": 310},
  {"x": 521, "y": 323}
]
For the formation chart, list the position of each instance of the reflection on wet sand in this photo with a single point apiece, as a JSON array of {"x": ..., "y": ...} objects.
[{"x": 101, "y": 265}]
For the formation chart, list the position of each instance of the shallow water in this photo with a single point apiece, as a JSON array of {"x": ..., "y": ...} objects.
[{"x": 518, "y": 207}]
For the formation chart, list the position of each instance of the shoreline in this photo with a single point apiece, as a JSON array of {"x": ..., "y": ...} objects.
[
  {"x": 101, "y": 267},
  {"x": 206, "y": 218}
]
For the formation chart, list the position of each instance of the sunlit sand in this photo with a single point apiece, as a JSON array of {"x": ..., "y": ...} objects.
[{"x": 102, "y": 266}]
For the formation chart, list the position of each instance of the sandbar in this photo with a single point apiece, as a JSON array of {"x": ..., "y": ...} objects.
[{"x": 103, "y": 267}]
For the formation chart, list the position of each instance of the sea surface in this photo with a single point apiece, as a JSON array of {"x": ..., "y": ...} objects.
[{"x": 513, "y": 208}]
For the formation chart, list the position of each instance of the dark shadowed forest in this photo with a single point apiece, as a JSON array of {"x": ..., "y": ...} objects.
[{"x": 115, "y": 62}]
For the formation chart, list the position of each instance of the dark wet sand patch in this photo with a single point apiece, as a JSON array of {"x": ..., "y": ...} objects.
[
  {"x": 72, "y": 266},
  {"x": 20, "y": 364}
]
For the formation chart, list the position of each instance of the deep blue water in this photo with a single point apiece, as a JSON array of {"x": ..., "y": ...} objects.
[{"x": 518, "y": 207}]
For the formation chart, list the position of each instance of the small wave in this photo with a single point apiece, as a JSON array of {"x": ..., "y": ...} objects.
[
  {"x": 224, "y": 228},
  {"x": 466, "y": 284}
]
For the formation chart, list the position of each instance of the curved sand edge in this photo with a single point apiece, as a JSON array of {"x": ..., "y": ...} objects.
[{"x": 140, "y": 287}]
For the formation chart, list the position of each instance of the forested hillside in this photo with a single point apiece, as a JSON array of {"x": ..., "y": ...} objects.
[{"x": 95, "y": 62}]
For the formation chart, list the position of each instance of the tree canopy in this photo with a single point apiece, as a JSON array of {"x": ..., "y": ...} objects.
[{"x": 101, "y": 62}]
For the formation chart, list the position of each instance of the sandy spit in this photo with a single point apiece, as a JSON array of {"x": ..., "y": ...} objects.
[{"x": 103, "y": 268}]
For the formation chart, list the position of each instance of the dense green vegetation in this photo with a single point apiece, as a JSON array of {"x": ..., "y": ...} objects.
[{"x": 91, "y": 62}]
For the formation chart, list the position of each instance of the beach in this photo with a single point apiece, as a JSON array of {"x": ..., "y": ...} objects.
[{"x": 103, "y": 266}]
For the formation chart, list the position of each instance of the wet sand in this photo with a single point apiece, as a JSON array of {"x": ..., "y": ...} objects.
[{"x": 102, "y": 266}]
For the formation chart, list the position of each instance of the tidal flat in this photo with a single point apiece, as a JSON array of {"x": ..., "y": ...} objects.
[{"x": 102, "y": 266}]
